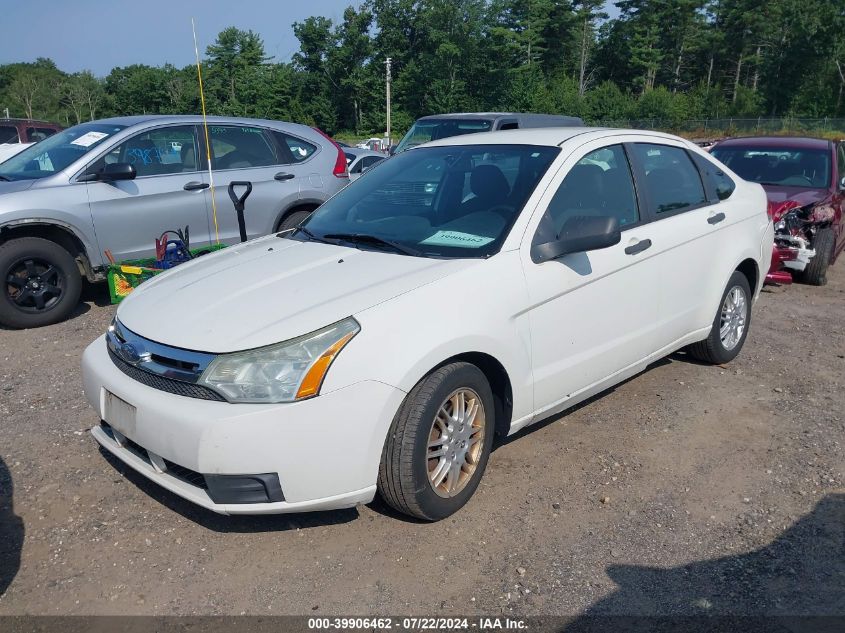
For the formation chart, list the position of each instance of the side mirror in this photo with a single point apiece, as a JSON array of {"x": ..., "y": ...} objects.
[
  {"x": 580, "y": 234},
  {"x": 392, "y": 149},
  {"x": 110, "y": 173},
  {"x": 842, "y": 183}
]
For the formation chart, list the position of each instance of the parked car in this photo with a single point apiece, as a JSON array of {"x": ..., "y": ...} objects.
[
  {"x": 360, "y": 160},
  {"x": 119, "y": 183},
  {"x": 437, "y": 126},
  {"x": 382, "y": 344},
  {"x": 18, "y": 134},
  {"x": 804, "y": 179},
  {"x": 374, "y": 144}
]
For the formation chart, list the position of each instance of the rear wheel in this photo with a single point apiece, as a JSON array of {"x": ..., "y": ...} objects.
[
  {"x": 41, "y": 283},
  {"x": 439, "y": 443},
  {"x": 292, "y": 220},
  {"x": 730, "y": 326},
  {"x": 815, "y": 273}
]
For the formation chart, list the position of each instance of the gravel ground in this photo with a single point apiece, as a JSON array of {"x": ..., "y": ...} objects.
[{"x": 688, "y": 489}]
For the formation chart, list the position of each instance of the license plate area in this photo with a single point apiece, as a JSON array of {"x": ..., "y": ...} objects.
[{"x": 119, "y": 414}]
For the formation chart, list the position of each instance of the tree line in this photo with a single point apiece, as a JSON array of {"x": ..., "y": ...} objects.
[{"x": 670, "y": 60}]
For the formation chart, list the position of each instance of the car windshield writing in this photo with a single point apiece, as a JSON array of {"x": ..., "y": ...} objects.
[
  {"x": 787, "y": 167},
  {"x": 456, "y": 201},
  {"x": 433, "y": 129},
  {"x": 56, "y": 152}
]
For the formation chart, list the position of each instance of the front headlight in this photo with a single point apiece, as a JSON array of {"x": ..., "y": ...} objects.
[{"x": 283, "y": 372}]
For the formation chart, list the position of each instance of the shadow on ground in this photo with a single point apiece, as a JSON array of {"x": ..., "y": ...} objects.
[
  {"x": 796, "y": 583},
  {"x": 11, "y": 531}
]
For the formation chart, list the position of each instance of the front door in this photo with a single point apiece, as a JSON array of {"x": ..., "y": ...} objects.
[
  {"x": 592, "y": 314},
  {"x": 166, "y": 194}
]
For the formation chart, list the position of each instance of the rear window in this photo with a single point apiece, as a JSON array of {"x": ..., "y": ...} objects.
[{"x": 433, "y": 129}]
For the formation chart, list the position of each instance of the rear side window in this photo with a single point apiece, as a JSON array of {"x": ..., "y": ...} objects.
[
  {"x": 840, "y": 161},
  {"x": 671, "y": 179},
  {"x": 300, "y": 150},
  {"x": 8, "y": 134},
  {"x": 600, "y": 184},
  {"x": 720, "y": 184},
  {"x": 241, "y": 147}
]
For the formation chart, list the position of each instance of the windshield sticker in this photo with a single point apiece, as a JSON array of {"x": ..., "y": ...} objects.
[
  {"x": 89, "y": 138},
  {"x": 456, "y": 238}
]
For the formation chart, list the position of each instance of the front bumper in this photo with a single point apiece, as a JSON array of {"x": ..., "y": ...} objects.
[
  {"x": 326, "y": 450},
  {"x": 790, "y": 255}
]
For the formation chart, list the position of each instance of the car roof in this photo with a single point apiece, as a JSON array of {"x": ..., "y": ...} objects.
[
  {"x": 792, "y": 142},
  {"x": 15, "y": 120},
  {"x": 550, "y": 136},
  {"x": 140, "y": 119}
]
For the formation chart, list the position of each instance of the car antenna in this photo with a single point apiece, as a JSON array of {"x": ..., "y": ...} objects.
[{"x": 205, "y": 128}]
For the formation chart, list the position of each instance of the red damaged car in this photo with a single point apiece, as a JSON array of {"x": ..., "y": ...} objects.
[{"x": 804, "y": 179}]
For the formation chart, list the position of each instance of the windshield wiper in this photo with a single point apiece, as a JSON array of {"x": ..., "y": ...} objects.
[
  {"x": 4, "y": 178},
  {"x": 308, "y": 233},
  {"x": 374, "y": 239}
]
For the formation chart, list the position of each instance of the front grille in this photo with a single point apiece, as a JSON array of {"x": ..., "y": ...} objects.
[{"x": 163, "y": 383}]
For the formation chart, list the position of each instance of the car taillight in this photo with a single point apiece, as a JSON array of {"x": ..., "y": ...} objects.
[{"x": 339, "y": 170}]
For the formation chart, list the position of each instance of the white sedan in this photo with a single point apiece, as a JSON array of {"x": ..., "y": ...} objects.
[{"x": 465, "y": 289}]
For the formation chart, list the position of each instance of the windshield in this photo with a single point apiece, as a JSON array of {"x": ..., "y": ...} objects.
[
  {"x": 56, "y": 152},
  {"x": 783, "y": 166},
  {"x": 456, "y": 201},
  {"x": 433, "y": 129}
]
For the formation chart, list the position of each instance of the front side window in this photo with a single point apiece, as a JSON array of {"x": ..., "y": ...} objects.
[
  {"x": 841, "y": 161},
  {"x": 455, "y": 201},
  {"x": 57, "y": 152},
  {"x": 600, "y": 184},
  {"x": 671, "y": 179},
  {"x": 242, "y": 147},
  {"x": 8, "y": 134},
  {"x": 778, "y": 165},
  {"x": 159, "y": 152}
]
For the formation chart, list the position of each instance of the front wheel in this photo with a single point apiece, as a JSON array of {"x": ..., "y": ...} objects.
[
  {"x": 815, "y": 273},
  {"x": 293, "y": 220},
  {"x": 41, "y": 283},
  {"x": 730, "y": 326},
  {"x": 439, "y": 443}
]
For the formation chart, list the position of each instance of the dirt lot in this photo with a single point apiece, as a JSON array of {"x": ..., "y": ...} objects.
[{"x": 688, "y": 489}]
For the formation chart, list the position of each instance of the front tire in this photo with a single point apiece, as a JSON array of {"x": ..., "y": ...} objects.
[
  {"x": 815, "y": 273},
  {"x": 730, "y": 326},
  {"x": 41, "y": 283},
  {"x": 439, "y": 443}
]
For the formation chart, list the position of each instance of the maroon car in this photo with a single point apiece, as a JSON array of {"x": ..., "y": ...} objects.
[
  {"x": 26, "y": 130},
  {"x": 804, "y": 179}
]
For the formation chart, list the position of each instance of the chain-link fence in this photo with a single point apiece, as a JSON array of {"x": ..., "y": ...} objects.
[{"x": 733, "y": 126}]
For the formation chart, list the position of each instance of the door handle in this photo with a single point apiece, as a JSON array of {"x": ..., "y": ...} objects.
[
  {"x": 284, "y": 176},
  {"x": 715, "y": 219},
  {"x": 639, "y": 247},
  {"x": 194, "y": 185}
]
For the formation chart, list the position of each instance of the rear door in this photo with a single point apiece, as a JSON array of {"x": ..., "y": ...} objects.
[
  {"x": 271, "y": 161},
  {"x": 592, "y": 314},
  {"x": 166, "y": 194},
  {"x": 696, "y": 222}
]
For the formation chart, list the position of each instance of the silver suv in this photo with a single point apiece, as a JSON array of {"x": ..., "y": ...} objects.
[{"x": 116, "y": 184}]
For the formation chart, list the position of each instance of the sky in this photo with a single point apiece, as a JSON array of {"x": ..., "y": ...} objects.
[{"x": 98, "y": 35}]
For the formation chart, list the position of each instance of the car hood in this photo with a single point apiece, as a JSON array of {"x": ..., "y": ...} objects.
[
  {"x": 14, "y": 186},
  {"x": 270, "y": 290},
  {"x": 782, "y": 199}
]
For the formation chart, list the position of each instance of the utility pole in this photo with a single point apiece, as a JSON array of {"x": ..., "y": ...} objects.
[{"x": 387, "y": 63}]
